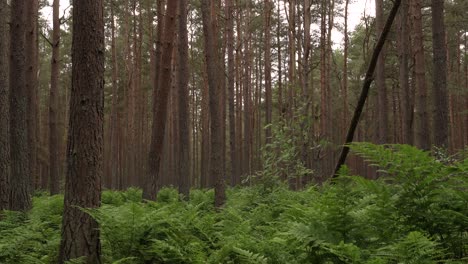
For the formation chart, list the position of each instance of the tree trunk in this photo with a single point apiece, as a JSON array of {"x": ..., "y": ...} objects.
[
  {"x": 230, "y": 87},
  {"x": 20, "y": 198},
  {"x": 268, "y": 94},
  {"x": 160, "y": 96},
  {"x": 5, "y": 162},
  {"x": 80, "y": 233},
  {"x": 211, "y": 56},
  {"x": 422, "y": 132},
  {"x": 53, "y": 102},
  {"x": 403, "y": 56},
  {"x": 382, "y": 108},
  {"x": 32, "y": 8},
  {"x": 182, "y": 97},
  {"x": 440, "y": 94}
]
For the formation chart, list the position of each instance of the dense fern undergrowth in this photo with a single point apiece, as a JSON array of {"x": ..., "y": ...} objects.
[{"x": 416, "y": 212}]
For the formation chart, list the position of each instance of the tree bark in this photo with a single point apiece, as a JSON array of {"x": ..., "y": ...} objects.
[
  {"x": 5, "y": 161},
  {"x": 214, "y": 84},
  {"x": 382, "y": 108},
  {"x": 403, "y": 56},
  {"x": 53, "y": 102},
  {"x": 422, "y": 132},
  {"x": 160, "y": 96},
  {"x": 182, "y": 97},
  {"x": 20, "y": 198},
  {"x": 268, "y": 94},
  {"x": 80, "y": 233},
  {"x": 440, "y": 94}
]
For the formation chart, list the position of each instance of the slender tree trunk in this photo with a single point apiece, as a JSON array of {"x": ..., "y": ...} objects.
[
  {"x": 182, "y": 97},
  {"x": 268, "y": 94},
  {"x": 54, "y": 186},
  {"x": 5, "y": 161},
  {"x": 80, "y": 233},
  {"x": 422, "y": 132},
  {"x": 230, "y": 87},
  {"x": 403, "y": 56},
  {"x": 31, "y": 47},
  {"x": 439, "y": 94},
  {"x": 214, "y": 84},
  {"x": 114, "y": 118},
  {"x": 345, "y": 67},
  {"x": 382, "y": 101},
  {"x": 160, "y": 96},
  {"x": 20, "y": 198},
  {"x": 280, "y": 75}
]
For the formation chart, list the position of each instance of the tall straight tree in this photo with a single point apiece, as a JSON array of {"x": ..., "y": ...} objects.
[
  {"x": 80, "y": 233},
  {"x": 214, "y": 84},
  {"x": 403, "y": 59},
  {"x": 230, "y": 87},
  {"x": 439, "y": 86},
  {"x": 160, "y": 95},
  {"x": 5, "y": 167},
  {"x": 31, "y": 46},
  {"x": 53, "y": 101},
  {"x": 20, "y": 199},
  {"x": 268, "y": 95},
  {"x": 182, "y": 99},
  {"x": 421, "y": 129},
  {"x": 382, "y": 108}
]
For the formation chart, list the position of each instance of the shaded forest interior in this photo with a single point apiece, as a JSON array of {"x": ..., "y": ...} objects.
[{"x": 201, "y": 94}]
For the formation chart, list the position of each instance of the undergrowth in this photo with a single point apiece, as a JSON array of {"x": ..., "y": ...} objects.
[{"x": 417, "y": 212}]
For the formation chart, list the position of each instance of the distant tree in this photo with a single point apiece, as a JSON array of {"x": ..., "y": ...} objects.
[
  {"x": 80, "y": 233},
  {"x": 421, "y": 125},
  {"x": 382, "y": 106},
  {"x": 439, "y": 86},
  {"x": 182, "y": 99},
  {"x": 54, "y": 180}
]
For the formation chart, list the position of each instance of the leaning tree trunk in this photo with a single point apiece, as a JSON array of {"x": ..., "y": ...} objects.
[
  {"x": 160, "y": 95},
  {"x": 80, "y": 233}
]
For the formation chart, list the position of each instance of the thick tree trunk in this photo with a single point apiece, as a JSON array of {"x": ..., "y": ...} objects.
[
  {"x": 80, "y": 233},
  {"x": 439, "y": 94},
  {"x": 20, "y": 198},
  {"x": 182, "y": 97},
  {"x": 53, "y": 102},
  {"x": 5, "y": 162},
  {"x": 214, "y": 84},
  {"x": 160, "y": 96}
]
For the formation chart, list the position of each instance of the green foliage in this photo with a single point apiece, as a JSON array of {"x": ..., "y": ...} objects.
[{"x": 416, "y": 212}]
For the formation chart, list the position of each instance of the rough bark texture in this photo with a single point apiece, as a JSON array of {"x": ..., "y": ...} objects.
[
  {"x": 53, "y": 102},
  {"x": 421, "y": 129},
  {"x": 160, "y": 96},
  {"x": 439, "y": 94},
  {"x": 80, "y": 234},
  {"x": 5, "y": 166},
  {"x": 182, "y": 97},
  {"x": 20, "y": 199},
  {"x": 214, "y": 84}
]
